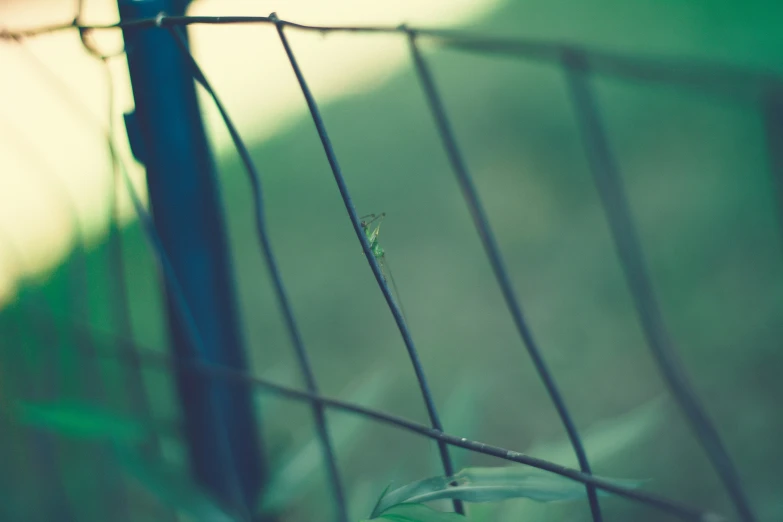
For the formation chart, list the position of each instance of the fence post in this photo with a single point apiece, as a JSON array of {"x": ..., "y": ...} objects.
[{"x": 167, "y": 135}]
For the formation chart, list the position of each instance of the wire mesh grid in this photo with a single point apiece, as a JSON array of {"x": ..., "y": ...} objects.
[{"x": 579, "y": 65}]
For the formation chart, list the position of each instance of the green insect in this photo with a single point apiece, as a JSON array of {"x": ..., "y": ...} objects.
[
  {"x": 377, "y": 251},
  {"x": 372, "y": 238}
]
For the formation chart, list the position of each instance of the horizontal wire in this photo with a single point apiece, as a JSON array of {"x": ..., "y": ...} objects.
[
  {"x": 150, "y": 358},
  {"x": 719, "y": 78}
]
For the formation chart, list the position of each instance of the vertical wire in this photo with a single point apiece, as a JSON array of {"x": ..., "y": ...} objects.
[
  {"x": 190, "y": 328},
  {"x": 180, "y": 304},
  {"x": 315, "y": 113},
  {"x": 610, "y": 187},
  {"x": 140, "y": 399},
  {"x": 274, "y": 273},
  {"x": 79, "y": 280},
  {"x": 492, "y": 250},
  {"x": 79, "y": 284},
  {"x": 120, "y": 302}
]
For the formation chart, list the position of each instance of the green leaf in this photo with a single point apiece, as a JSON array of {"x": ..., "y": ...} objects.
[
  {"x": 407, "y": 492},
  {"x": 492, "y": 485},
  {"x": 174, "y": 490},
  {"x": 81, "y": 421},
  {"x": 380, "y": 499},
  {"x": 417, "y": 513}
]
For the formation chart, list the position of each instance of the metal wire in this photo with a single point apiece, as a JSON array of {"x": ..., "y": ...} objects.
[
  {"x": 492, "y": 250},
  {"x": 717, "y": 79},
  {"x": 618, "y": 213},
  {"x": 708, "y": 77},
  {"x": 413, "y": 355},
  {"x": 154, "y": 358},
  {"x": 282, "y": 298}
]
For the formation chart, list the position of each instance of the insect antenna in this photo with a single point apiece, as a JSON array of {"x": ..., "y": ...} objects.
[{"x": 394, "y": 287}]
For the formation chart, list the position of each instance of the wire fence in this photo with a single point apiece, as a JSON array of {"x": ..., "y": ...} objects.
[{"x": 579, "y": 66}]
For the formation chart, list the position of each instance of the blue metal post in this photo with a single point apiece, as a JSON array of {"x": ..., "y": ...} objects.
[{"x": 167, "y": 135}]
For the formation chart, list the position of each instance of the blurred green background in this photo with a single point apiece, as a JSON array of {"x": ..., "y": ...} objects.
[{"x": 696, "y": 169}]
